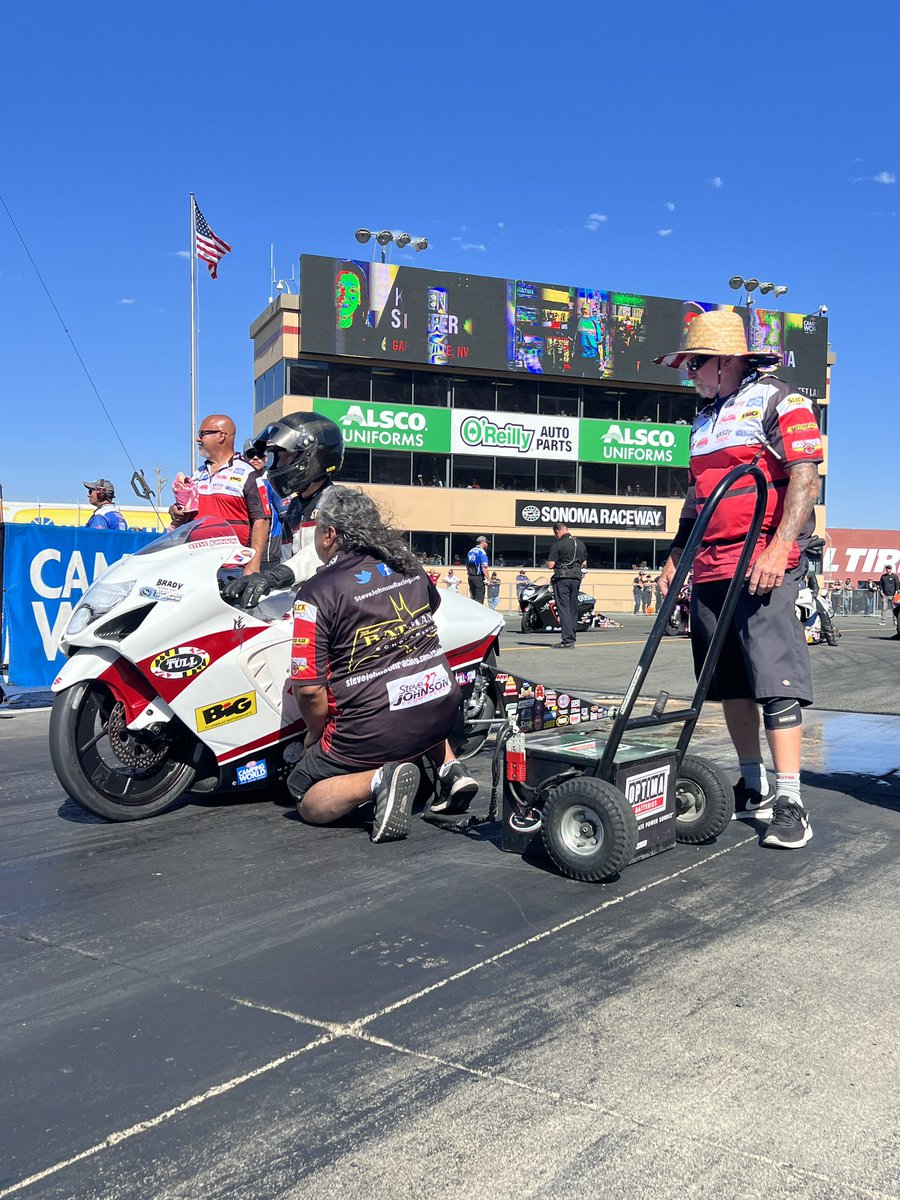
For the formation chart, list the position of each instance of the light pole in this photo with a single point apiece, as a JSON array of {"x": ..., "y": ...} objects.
[
  {"x": 737, "y": 282},
  {"x": 384, "y": 237}
]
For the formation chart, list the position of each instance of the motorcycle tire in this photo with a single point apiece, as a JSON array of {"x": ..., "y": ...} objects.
[
  {"x": 531, "y": 622},
  {"x": 676, "y": 625},
  {"x": 474, "y": 736},
  {"x": 589, "y": 829},
  {"x": 93, "y": 774},
  {"x": 704, "y": 801}
]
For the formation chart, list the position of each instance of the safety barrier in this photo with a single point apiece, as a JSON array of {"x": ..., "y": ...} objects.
[{"x": 46, "y": 571}]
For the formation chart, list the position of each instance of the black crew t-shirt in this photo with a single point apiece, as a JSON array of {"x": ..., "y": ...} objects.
[{"x": 367, "y": 633}]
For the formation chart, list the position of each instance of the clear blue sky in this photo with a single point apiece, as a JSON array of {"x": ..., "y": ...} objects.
[{"x": 712, "y": 139}]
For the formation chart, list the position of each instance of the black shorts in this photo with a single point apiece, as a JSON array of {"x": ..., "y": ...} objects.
[
  {"x": 764, "y": 655},
  {"x": 317, "y": 765},
  {"x": 313, "y": 767}
]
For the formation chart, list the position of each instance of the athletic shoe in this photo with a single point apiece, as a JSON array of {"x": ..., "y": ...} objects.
[
  {"x": 790, "y": 826},
  {"x": 394, "y": 800},
  {"x": 455, "y": 791},
  {"x": 751, "y": 805},
  {"x": 563, "y": 645}
]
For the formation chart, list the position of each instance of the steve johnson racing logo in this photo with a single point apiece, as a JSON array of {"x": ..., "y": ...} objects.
[{"x": 416, "y": 689}]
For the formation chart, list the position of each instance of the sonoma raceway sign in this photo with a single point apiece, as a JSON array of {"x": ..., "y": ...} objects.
[{"x": 651, "y": 517}]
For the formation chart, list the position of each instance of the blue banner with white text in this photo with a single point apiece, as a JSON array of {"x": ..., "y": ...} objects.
[{"x": 46, "y": 571}]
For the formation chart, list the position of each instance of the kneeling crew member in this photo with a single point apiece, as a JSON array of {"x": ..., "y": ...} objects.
[
  {"x": 367, "y": 670},
  {"x": 765, "y": 659}
]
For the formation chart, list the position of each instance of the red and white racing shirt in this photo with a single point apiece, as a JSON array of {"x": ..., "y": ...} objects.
[
  {"x": 762, "y": 412},
  {"x": 235, "y": 493}
]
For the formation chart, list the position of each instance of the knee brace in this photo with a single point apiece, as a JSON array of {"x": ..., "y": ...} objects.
[{"x": 782, "y": 714}]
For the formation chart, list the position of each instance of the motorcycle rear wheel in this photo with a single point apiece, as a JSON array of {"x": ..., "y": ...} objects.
[{"x": 85, "y": 723}]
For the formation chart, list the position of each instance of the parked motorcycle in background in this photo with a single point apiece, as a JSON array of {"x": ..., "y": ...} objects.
[
  {"x": 679, "y": 622},
  {"x": 538, "y": 607}
]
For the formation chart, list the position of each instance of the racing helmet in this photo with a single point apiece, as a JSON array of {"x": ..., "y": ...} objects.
[{"x": 302, "y": 448}]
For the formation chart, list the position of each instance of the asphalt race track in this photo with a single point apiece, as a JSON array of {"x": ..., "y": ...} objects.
[{"x": 222, "y": 1002}]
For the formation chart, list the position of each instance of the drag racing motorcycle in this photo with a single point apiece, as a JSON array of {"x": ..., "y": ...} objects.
[
  {"x": 168, "y": 688},
  {"x": 680, "y": 620},
  {"x": 538, "y": 608}
]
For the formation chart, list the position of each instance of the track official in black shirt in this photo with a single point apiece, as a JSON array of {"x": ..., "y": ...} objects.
[{"x": 566, "y": 557}]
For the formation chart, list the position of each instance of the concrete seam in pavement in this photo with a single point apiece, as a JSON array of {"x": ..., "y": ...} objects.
[{"x": 353, "y": 1030}]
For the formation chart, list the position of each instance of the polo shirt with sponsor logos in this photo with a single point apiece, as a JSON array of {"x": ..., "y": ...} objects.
[
  {"x": 235, "y": 493},
  {"x": 763, "y": 412},
  {"x": 367, "y": 633}
]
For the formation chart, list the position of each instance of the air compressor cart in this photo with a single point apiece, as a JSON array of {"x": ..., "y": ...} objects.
[{"x": 595, "y": 803}]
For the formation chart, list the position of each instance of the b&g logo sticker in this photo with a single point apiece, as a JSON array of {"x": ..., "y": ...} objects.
[{"x": 223, "y": 712}]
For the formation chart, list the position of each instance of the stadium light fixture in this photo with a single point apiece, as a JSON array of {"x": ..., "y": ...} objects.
[
  {"x": 750, "y": 285},
  {"x": 384, "y": 237}
]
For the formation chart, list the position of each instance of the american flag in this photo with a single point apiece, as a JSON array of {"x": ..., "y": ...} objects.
[{"x": 210, "y": 247}]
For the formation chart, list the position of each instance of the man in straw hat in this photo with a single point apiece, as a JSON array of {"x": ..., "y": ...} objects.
[{"x": 752, "y": 417}]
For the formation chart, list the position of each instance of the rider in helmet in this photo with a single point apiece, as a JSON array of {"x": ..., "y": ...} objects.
[{"x": 305, "y": 451}]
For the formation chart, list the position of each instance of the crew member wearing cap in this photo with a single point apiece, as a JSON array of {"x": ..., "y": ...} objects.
[
  {"x": 255, "y": 454},
  {"x": 106, "y": 514},
  {"x": 750, "y": 416},
  {"x": 477, "y": 569}
]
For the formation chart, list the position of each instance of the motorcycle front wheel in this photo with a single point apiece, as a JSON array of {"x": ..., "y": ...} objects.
[
  {"x": 106, "y": 768},
  {"x": 531, "y": 622},
  {"x": 676, "y": 624}
]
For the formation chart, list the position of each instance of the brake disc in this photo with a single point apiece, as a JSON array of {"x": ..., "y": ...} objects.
[{"x": 133, "y": 749}]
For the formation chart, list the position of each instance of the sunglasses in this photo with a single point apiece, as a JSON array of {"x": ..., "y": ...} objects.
[
  {"x": 207, "y": 432},
  {"x": 693, "y": 365}
]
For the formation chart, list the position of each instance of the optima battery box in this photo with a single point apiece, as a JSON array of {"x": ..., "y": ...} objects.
[{"x": 645, "y": 774}]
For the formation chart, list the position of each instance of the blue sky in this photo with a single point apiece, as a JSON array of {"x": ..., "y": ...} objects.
[{"x": 706, "y": 140}]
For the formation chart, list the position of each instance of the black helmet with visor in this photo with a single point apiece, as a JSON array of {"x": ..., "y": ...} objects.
[{"x": 301, "y": 448}]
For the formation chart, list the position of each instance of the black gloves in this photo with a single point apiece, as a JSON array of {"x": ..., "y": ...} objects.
[{"x": 248, "y": 590}]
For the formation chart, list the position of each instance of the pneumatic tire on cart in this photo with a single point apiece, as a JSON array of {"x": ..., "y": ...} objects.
[
  {"x": 589, "y": 829},
  {"x": 704, "y": 801}
]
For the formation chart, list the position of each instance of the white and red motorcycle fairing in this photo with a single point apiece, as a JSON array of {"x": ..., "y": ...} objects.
[{"x": 167, "y": 686}]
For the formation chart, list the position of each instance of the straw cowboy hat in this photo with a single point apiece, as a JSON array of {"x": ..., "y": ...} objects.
[{"x": 719, "y": 332}]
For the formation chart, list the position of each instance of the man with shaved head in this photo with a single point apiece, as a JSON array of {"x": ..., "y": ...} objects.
[{"x": 229, "y": 488}]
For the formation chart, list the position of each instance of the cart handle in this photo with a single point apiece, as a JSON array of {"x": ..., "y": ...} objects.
[{"x": 690, "y": 715}]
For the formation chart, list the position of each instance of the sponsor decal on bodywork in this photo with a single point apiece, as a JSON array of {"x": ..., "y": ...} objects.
[
  {"x": 252, "y": 772},
  {"x": 180, "y": 662},
  {"x": 223, "y": 712}
]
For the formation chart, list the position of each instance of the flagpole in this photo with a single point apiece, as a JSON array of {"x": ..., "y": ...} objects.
[{"x": 193, "y": 335}]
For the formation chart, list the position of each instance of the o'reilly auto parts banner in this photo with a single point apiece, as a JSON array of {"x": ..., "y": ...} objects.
[
  {"x": 389, "y": 426},
  {"x": 506, "y": 435},
  {"x": 649, "y": 517},
  {"x": 514, "y": 435}
]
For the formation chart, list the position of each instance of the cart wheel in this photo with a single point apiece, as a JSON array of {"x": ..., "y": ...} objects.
[
  {"x": 589, "y": 829},
  {"x": 704, "y": 801}
]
